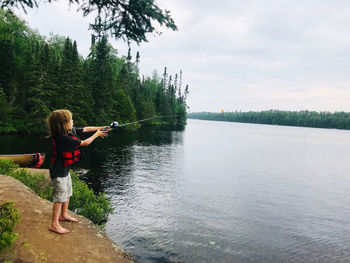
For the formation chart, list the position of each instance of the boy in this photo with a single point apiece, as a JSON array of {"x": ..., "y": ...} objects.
[{"x": 65, "y": 152}]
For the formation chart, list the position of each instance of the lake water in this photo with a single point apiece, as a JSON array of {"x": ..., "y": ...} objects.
[{"x": 222, "y": 191}]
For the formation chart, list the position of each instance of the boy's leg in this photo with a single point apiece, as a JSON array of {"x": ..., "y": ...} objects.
[
  {"x": 55, "y": 225},
  {"x": 60, "y": 194},
  {"x": 64, "y": 213}
]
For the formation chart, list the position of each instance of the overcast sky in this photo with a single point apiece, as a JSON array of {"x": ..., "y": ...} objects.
[{"x": 239, "y": 54}]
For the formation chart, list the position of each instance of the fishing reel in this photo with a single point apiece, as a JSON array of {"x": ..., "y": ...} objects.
[{"x": 114, "y": 124}]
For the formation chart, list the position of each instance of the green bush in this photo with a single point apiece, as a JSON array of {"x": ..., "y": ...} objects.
[
  {"x": 83, "y": 202},
  {"x": 9, "y": 216},
  {"x": 6, "y": 166}
]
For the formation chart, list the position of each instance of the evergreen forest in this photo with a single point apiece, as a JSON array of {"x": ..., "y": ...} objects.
[
  {"x": 337, "y": 120},
  {"x": 39, "y": 74}
]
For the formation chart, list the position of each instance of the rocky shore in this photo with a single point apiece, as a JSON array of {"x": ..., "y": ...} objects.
[{"x": 85, "y": 242}]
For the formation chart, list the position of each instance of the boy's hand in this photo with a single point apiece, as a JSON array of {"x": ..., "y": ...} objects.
[
  {"x": 101, "y": 133},
  {"x": 105, "y": 128}
]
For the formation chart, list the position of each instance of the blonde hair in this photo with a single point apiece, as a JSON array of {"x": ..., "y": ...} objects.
[{"x": 58, "y": 123}]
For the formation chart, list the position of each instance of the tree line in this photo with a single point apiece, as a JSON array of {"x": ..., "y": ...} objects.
[
  {"x": 38, "y": 75},
  {"x": 337, "y": 120}
]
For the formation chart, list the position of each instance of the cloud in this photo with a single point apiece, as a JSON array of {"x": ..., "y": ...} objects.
[{"x": 249, "y": 55}]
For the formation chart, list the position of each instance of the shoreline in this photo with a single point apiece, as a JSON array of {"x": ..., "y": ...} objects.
[{"x": 86, "y": 242}]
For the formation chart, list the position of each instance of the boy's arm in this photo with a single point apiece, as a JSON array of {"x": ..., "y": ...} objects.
[
  {"x": 98, "y": 133},
  {"x": 93, "y": 128}
]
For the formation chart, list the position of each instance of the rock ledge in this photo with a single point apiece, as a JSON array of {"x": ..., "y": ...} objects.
[{"x": 85, "y": 242}]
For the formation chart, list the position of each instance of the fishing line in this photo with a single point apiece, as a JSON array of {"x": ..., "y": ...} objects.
[{"x": 129, "y": 123}]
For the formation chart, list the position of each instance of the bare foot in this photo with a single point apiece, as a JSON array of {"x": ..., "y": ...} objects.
[
  {"x": 59, "y": 229},
  {"x": 67, "y": 218}
]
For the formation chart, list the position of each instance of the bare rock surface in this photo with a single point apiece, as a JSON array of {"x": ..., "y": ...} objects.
[{"x": 36, "y": 243}]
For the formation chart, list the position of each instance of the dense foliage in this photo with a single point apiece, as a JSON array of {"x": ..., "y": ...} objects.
[
  {"x": 38, "y": 75},
  {"x": 127, "y": 19},
  {"x": 9, "y": 217},
  {"x": 83, "y": 202},
  {"x": 337, "y": 120}
]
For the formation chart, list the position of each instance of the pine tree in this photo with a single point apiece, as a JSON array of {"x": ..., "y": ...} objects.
[
  {"x": 137, "y": 61},
  {"x": 164, "y": 79},
  {"x": 124, "y": 81},
  {"x": 103, "y": 82},
  {"x": 82, "y": 99},
  {"x": 7, "y": 67},
  {"x": 36, "y": 97},
  {"x": 65, "y": 99},
  {"x": 129, "y": 57}
]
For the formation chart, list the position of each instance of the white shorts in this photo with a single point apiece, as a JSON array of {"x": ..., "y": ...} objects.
[{"x": 62, "y": 188}]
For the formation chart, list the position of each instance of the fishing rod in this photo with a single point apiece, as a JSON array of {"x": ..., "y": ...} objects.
[
  {"x": 129, "y": 123},
  {"x": 115, "y": 124}
]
